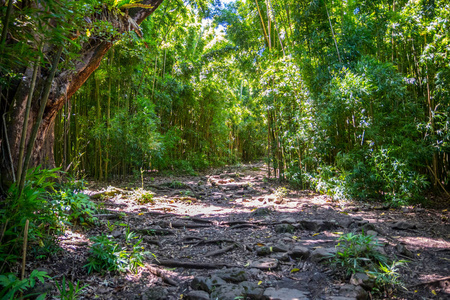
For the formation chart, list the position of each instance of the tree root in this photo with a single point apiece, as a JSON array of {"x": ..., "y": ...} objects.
[
  {"x": 191, "y": 265},
  {"x": 160, "y": 273},
  {"x": 220, "y": 251},
  {"x": 430, "y": 282}
]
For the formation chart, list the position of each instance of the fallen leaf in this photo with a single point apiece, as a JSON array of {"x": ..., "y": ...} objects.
[
  {"x": 316, "y": 234},
  {"x": 433, "y": 292},
  {"x": 259, "y": 283},
  {"x": 295, "y": 270}
]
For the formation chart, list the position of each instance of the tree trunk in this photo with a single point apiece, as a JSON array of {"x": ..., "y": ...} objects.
[{"x": 66, "y": 82}]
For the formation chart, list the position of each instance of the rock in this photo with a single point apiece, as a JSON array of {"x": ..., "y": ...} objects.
[
  {"x": 353, "y": 292},
  {"x": 262, "y": 250},
  {"x": 288, "y": 220},
  {"x": 197, "y": 295},
  {"x": 403, "y": 250},
  {"x": 252, "y": 290},
  {"x": 281, "y": 256},
  {"x": 372, "y": 233},
  {"x": 228, "y": 292},
  {"x": 318, "y": 225},
  {"x": 156, "y": 293},
  {"x": 312, "y": 225},
  {"x": 262, "y": 211},
  {"x": 282, "y": 228},
  {"x": 284, "y": 294},
  {"x": 363, "y": 280},
  {"x": 280, "y": 248},
  {"x": 345, "y": 222},
  {"x": 233, "y": 275},
  {"x": 322, "y": 253},
  {"x": 402, "y": 225},
  {"x": 40, "y": 288},
  {"x": 207, "y": 284},
  {"x": 116, "y": 233},
  {"x": 266, "y": 250},
  {"x": 368, "y": 227},
  {"x": 300, "y": 252},
  {"x": 265, "y": 264}
]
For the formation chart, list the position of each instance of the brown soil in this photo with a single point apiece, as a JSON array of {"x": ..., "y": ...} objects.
[{"x": 197, "y": 225}]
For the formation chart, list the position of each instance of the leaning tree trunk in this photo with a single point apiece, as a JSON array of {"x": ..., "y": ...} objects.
[{"x": 65, "y": 84}]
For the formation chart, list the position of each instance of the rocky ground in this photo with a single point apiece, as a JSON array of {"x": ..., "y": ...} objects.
[{"x": 234, "y": 235}]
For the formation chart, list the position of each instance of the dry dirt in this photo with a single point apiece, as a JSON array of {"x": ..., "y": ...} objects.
[{"x": 234, "y": 219}]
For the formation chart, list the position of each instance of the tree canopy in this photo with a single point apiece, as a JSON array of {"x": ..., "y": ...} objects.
[{"x": 350, "y": 98}]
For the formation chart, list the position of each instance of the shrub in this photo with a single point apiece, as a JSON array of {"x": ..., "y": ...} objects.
[
  {"x": 13, "y": 286},
  {"x": 107, "y": 255}
]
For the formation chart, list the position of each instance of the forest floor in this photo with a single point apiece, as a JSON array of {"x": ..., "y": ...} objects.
[{"x": 232, "y": 233}]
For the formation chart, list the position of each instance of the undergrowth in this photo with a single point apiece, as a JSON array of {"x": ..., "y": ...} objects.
[
  {"x": 360, "y": 253},
  {"x": 50, "y": 207},
  {"x": 108, "y": 255}
]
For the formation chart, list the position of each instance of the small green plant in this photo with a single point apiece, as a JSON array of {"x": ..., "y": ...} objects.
[
  {"x": 176, "y": 184},
  {"x": 13, "y": 286},
  {"x": 281, "y": 192},
  {"x": 68, "y": 290},
  {"x": 358, "y": 252},
  {"x": 387, "y": 276},
  {"x": 107, "y": 255},
  {"x": 143, "y": 196}
]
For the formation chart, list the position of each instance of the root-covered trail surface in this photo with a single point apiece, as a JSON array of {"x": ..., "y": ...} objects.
[{"x": 233, "y": 235}]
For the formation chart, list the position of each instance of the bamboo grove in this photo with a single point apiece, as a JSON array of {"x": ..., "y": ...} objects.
[{"x": 347, "y": 97}]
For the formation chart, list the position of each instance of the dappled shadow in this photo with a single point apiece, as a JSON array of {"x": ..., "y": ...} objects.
[{"x": 230, "y": 231}]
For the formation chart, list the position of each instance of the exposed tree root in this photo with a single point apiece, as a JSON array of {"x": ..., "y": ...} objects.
[{"x": 191, "y": 265}]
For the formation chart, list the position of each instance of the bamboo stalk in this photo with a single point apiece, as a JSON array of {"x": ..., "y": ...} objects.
[
  {"x": 23, "y": 138},
  {"x": 24, "y": 253},
  {"x": 332, "y": 32},
  {"x": 262, "y": 23}
]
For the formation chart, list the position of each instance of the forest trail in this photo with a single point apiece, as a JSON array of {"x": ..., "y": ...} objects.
[{"x": 233, "y": 234}]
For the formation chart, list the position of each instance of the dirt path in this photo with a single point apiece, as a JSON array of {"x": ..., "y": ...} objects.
[{"x": 231, "y": 233}]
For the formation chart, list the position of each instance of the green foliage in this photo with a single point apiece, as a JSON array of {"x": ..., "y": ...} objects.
[
  {"x": 358, "y": 252},
  {"x": 48, "y": 206},
  {"x": 107, "y": 255},
  {"x": 387, "y": 276},
  {"x": 13, "y": 286},
  {"x": 281, "y": 192},
  {"x": 144, "y": 197},
  {"x": 68, "y": 290}
]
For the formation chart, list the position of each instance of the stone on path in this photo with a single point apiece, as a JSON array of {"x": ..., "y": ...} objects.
[
  {"x": 264, "y": 264},
  {"x": 322, "y": 253},
  {"x": 353, "y": 292},
  {"x": 228, "y": 292},
  {"x": 283, "y": 228},
  {"x": 207, "y": 284},
  {"x": 262, "y": 211},
  {"x": 285, "y": 294},
  {"x": 300, "y": 252},
  {"x": 197, "y": 295},
  {"x": 402, "y": 225},
  {"x": 363, "y": 280},
  {"x": 233, "y": 275},
  {"x": 288, "y": 220},
  {"x": 252, "y": 290}
]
